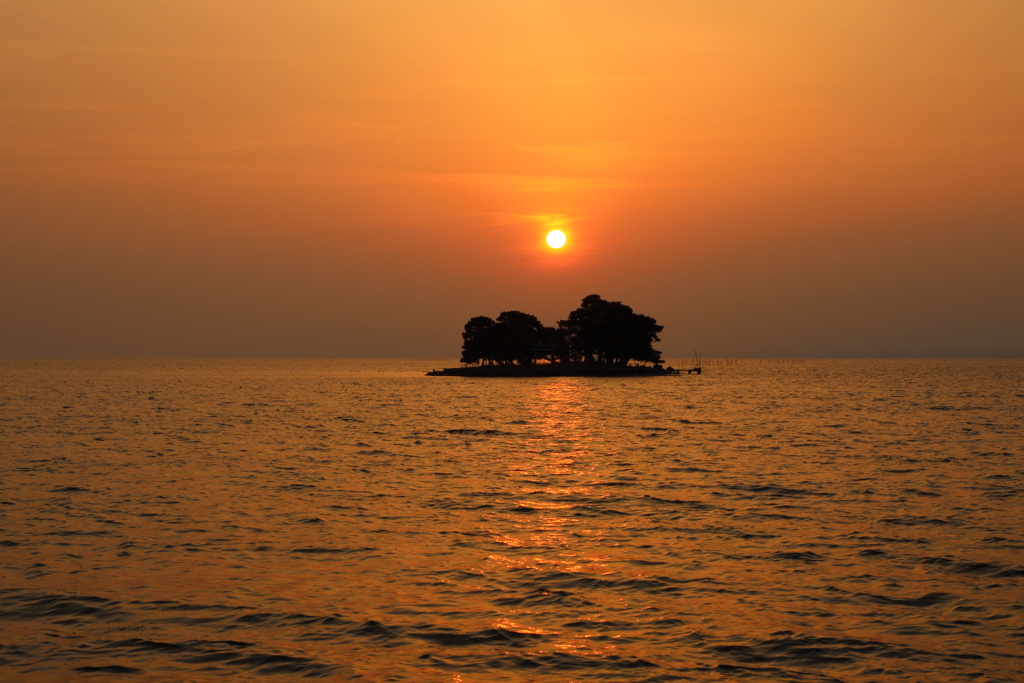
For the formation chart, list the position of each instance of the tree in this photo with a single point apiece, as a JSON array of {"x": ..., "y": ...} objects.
[
  {"x": 476, "y": 339},
  {"x": 610, "y": 333},
  {"x": 598, "y": 332},
  {"x": 508, "y": 341},
  {"x": 517, "y": 333}
]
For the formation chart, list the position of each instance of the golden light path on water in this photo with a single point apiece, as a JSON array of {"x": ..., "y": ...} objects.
[
  {"x": 560, "y": 449},
  {"x": 354, "y": 520}
]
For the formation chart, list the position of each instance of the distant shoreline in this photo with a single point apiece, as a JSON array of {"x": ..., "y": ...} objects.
[{"x": 554, "y": 370}]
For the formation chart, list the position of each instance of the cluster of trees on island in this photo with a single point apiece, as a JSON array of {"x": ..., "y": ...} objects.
[{"x": 599, "y": 332}]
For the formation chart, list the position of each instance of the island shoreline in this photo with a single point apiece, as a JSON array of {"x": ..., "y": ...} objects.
[{"x": 554, "y": 370}]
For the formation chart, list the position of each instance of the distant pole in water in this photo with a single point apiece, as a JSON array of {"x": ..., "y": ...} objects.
[{"x": 696, "y": 365}]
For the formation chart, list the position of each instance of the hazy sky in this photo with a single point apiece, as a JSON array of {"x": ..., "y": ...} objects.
[{"x": 359, "y": 177}]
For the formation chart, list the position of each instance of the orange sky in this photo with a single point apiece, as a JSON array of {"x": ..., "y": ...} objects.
[{"x": 360, "y": 177}]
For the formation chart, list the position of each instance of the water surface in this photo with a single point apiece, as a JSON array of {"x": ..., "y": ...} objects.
[{"x": 353, "y": 520}]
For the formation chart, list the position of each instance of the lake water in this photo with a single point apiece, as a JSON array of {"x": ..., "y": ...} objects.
[{"x": 845, "y": 521}]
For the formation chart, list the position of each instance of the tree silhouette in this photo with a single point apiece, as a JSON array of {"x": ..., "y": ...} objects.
[
  {"x": 599, "y": 332},
  {"x": 476, "y": 340},
  {"x": 510, "y": 340},
  {"x": 610, "y": 333}
]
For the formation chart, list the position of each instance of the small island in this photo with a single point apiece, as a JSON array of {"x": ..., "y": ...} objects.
[{"x": 598, "y": 339}]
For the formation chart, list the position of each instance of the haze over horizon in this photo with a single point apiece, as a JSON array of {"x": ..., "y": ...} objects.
[{"x": 357, "y": 179}]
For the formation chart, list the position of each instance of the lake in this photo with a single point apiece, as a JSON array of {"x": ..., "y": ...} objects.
[{"x": 351, "y": 520}]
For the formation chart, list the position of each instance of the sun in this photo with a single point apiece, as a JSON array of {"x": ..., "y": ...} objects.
[{"x": 556, "y": 239}]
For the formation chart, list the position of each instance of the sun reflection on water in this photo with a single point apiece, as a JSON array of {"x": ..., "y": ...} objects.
[
  {"x": 561, "y": 465},
  {"x": 563, "y": 440},
  {"x": 556, "y": 469}
]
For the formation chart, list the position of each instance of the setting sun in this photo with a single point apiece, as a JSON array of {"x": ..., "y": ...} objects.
[{"x": 556, "y": 239}]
